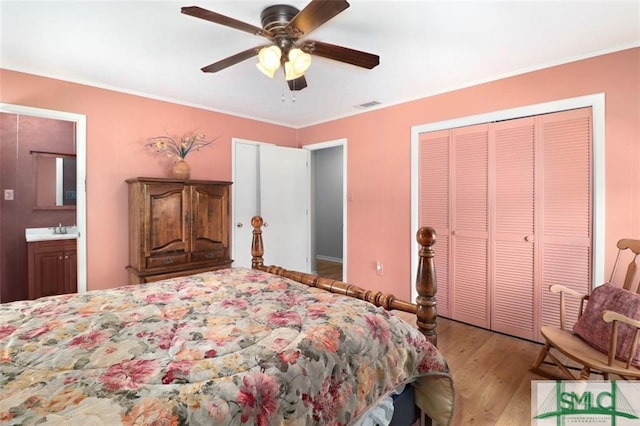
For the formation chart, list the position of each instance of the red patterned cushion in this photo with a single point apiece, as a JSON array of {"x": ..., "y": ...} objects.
[{"x": 595, "y": 331}]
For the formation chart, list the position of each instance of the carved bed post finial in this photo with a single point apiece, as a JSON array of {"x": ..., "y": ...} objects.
[
  {"x": 426, "y": 284},
  {"x": 257, "y": 249}
]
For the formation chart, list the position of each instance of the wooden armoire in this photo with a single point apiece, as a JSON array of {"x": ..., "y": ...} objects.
[{"x": 177, "y": 227}]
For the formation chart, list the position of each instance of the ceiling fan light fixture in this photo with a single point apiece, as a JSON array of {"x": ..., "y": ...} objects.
[
  {"x": 289, "y": 72},
  {"x": 300, "y": 60},
  {"x": 268, "y": 72},
  {"x": 269, "y": 60}
]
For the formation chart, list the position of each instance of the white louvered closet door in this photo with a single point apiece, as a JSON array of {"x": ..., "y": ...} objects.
[
  {"x": 513, "y": 236},
  {"x": 566, "y": 209},
  {"x": 469, "y": 215},
  {"x": 511, "y": 201},
  {"x": 433, "y": 183}
]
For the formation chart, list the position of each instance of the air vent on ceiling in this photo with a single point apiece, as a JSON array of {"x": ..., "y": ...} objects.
[{"x": 368, "y": 105}]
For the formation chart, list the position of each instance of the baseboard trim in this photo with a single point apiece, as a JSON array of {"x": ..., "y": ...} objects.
[{"x": 328, "y": 258}]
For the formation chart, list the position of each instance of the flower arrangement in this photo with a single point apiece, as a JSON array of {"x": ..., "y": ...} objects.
[{"x": 168, "y": 145}]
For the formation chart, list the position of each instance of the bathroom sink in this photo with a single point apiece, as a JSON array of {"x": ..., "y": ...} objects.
[{"x": 53, "y": 233}]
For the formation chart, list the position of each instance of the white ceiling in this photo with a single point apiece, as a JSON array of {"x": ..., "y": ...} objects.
[{"x": 425, "y": 47}]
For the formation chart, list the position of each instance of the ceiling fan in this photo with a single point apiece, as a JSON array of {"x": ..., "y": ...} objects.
[{"x": 285, "y": 27}]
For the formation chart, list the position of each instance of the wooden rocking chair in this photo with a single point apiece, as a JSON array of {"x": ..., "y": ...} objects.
[{"x": 572, "y": 347}]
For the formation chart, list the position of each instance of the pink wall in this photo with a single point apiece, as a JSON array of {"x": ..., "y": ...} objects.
[
  {"x": 118, "y": 125},
  {"x": 379, "y": 144},
  {"x": 379, "y": 182}
]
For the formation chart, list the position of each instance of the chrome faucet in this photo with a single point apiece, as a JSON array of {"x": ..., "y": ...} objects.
[{"x": 60, "y": 229}]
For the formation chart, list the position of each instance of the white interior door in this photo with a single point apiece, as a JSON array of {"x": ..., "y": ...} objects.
[
  {"x": 284, "y": 205},
  {"x": 272, "y": 182},
  {"x": 245, "y": 200}
]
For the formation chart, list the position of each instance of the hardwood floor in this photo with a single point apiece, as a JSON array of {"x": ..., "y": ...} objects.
[
  {"x": 490, "y": 372},
  {"x": 329, "y": 269}
]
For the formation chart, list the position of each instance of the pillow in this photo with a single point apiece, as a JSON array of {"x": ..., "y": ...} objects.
[{"x": 595, "y": 331}]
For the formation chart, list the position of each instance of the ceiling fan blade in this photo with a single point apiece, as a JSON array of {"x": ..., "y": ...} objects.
[
  {"x": 208, "y": 15},
  {"x": 313, "y": 15},
  {"x": 232, "y": 60},
  {"x": 342, "y": 54},
  {"x": 297, "y": 84}
]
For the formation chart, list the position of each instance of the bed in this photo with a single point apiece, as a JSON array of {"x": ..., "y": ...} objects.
[{"x": 240, "y": 346}]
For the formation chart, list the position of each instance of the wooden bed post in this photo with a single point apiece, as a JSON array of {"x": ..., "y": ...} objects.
[
  {"x": 426, "y": 284},
  {"x": 425, "y": 309},
  {"x": 257, "y": 248}
]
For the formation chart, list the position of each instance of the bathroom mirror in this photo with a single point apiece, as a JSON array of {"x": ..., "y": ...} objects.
[{"x": 55, "y": 179}]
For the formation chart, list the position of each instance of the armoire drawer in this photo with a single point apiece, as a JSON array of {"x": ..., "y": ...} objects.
[
  {"x": 208, "y": 255},
  {"x": 167, "y": 260}
]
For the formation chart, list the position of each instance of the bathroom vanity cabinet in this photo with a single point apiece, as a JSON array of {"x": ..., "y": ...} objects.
[{"x": 52, "y": 267}]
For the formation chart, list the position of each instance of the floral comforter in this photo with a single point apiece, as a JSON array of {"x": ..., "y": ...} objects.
[{"x": 232, "y": 347}]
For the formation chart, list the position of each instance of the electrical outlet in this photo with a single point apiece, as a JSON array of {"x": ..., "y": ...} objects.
[
  {"x": 379, "y": 268},
  {"x": 8, "y": 194}
]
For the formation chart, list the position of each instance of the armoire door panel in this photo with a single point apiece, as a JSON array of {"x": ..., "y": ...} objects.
[
  {"x": 168, "y": 228},
  {"x": 210, "y": 228}
]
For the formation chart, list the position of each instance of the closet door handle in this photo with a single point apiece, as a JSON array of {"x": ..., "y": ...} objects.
[{"x": 527, "y": 238}]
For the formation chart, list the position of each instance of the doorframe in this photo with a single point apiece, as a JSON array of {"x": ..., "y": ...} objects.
[
  {"x": 597, "y": 104},
  {"x": 311, "y": 225},
  {"x": 332, "y": 144},
  {"x": 234, "y": 220},
  {"x": 80, "y": 121}
]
